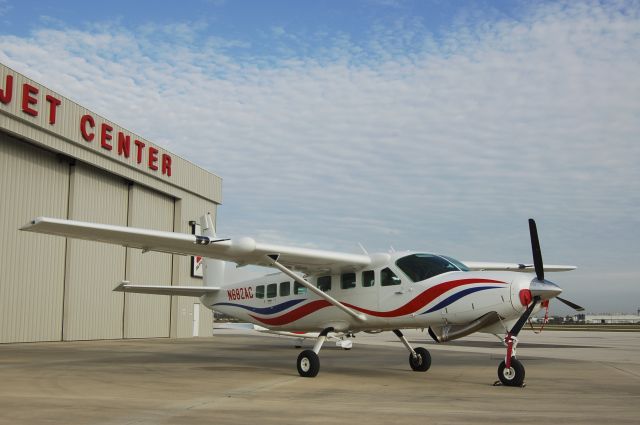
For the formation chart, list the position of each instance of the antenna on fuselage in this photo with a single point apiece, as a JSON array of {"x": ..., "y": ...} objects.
[{"x": 363, "y": 249}]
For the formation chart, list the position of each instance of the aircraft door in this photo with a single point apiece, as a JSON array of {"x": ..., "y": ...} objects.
[{"x": 392, "y": 291}]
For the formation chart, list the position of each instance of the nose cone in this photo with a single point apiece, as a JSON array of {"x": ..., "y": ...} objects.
[{"x": 544, "y": 289}]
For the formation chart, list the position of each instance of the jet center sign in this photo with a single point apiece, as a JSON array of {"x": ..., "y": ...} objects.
[{"x": 54, "y": 113}]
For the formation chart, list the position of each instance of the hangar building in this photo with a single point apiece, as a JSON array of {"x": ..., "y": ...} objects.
[{"x": 59, "y": 159}]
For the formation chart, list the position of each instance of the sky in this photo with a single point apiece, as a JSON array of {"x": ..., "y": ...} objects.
[{"x": 439, "y": 126}]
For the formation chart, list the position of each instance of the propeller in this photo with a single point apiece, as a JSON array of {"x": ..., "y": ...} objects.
[
  {"x": 544, "y": 288},
  {"x": 570, "y": 304},
  {"x": 541, "y": 290}
]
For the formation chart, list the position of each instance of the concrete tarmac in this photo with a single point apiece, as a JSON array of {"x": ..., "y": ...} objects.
[{"x": 237, "y": 377}]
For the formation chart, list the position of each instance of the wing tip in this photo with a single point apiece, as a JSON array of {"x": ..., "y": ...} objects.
[{"x": 32, "y": 223}]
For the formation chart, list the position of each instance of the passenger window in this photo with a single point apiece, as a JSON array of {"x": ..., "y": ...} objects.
[
  {"x": 299, "y": 289},
  {"x": 388, "y": 278},
  {"x": 324, "y": 283},
  {"x": 272, "y": 290},
  {"x": 368, "y": 278},
  {"x": 285, "y": 289},
  {"x": 348, "y": 280},
  {"x": 260, "y": 291}
]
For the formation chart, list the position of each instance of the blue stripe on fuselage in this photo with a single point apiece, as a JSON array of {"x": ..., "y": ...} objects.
[
  {"x": 455, "y": 297},
  {"x": 265, "y": 310}
]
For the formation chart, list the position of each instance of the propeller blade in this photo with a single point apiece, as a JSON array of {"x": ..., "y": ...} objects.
[
  {"x": 515, "y": 330},
  {"x": 535, "y": 248},
  {"x": 570, "y": 304}
]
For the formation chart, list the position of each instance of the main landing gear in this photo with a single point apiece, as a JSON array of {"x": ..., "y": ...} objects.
[
  {"x": 309, "y": 362},
  {"x": 419, "y": 359}
]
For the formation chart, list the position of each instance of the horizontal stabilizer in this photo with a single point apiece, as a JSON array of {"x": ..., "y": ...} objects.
[{"x": 185, "y": 291}]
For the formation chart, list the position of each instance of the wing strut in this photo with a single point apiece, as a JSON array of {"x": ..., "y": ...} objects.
[{"x": 273, "y": 259}]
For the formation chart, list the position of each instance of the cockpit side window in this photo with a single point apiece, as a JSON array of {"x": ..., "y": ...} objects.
[
  {"x": 388, "y": 277},
  {"x": 419, "y": 267}
]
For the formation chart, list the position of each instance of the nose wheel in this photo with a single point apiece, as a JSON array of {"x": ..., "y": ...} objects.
[{"x": 512, "y": 376}]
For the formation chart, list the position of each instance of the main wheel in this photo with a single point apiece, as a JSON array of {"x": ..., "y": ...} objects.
[
  {"x": 422, "y": 361},
  {"x": 513, "y": 376},
  {"x": 308, "y": 364}
]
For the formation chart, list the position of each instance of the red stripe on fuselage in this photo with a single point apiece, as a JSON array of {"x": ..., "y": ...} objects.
[
  {"x": 294, "y": 315},
  {"x": 412, "y": 306},
  {"x": 423, "y": 299}
]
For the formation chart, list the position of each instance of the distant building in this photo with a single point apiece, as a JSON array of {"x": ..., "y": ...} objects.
[{"x": 608, "y": 318}]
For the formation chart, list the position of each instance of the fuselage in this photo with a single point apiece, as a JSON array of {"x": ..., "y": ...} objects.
[{"x": 397, "y": 292}]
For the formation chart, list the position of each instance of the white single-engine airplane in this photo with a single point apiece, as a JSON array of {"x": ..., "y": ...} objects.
[{"x": 341, "y": 294}]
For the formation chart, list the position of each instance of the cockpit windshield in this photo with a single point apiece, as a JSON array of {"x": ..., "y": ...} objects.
[{"x": 419, "y": 267}]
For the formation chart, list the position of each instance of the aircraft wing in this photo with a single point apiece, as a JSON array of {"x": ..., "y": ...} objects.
[
  {"x": 242, "y": 251},
  {"x": 515, "y": 267}
]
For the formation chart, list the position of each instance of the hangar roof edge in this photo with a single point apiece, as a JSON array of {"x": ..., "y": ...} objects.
[{"x": 94, "y": 138}]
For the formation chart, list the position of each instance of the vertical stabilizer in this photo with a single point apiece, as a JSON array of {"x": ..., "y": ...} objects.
[{"x": 213, "y": 270}]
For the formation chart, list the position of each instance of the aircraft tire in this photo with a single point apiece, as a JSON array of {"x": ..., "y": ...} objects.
[
  {"x": 308, "y": 364},
  {"x": 423, "y": 362},
  {"x": 512, "y": 377}
]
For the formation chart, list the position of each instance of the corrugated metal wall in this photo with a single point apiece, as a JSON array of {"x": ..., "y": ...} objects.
[
  {"x": 32, "y": 182},
  {"x": 91, "y": 309},
  {"x": 52, "y": 288},
  {"x": 148, "y": 315}
]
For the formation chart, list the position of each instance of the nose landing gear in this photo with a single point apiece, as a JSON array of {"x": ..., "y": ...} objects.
[{"x": 511, "y": 371}]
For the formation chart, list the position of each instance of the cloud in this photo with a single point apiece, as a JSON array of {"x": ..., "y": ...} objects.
[{"x": 444, "y": 144}]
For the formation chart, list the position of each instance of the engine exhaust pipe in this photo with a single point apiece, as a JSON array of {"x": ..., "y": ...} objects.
[{"x": 446, "y": 333}]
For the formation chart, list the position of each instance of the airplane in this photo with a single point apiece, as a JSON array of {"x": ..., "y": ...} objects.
[{"x": 336, "y": 295}]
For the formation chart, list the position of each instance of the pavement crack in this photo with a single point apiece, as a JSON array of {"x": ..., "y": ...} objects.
[{"x": 624, "y": 371}]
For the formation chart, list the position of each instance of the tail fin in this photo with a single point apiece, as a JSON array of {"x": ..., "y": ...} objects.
[{"x": 213, "y": 270}]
